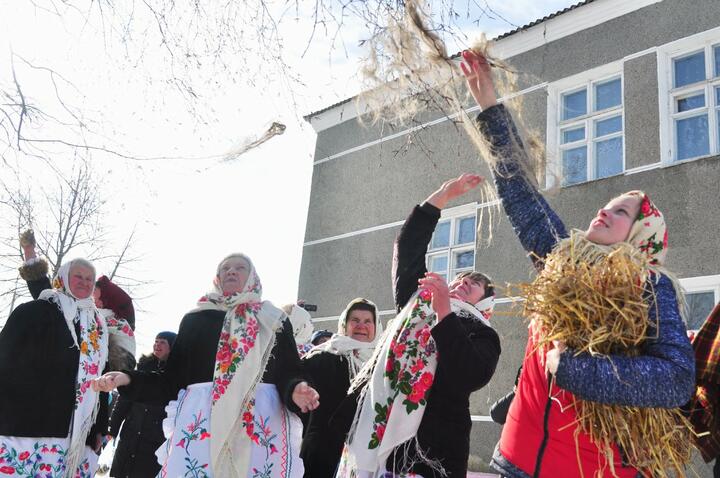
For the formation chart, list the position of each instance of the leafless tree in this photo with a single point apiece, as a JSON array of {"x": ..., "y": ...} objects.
[{"x": 68, "y": 218}]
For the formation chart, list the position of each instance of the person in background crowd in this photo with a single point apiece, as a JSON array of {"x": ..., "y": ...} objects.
[
  {"x": 320, "y": 336},
  {"x": 302, "y": 326},
  {"x": 331, "y": 366},
  {"x": 142, "y": 431}
]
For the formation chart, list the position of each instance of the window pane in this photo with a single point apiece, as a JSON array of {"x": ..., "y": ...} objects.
[
  {"x": 699, "y": 306},
  {"x": 575, "y": 165},
  {"x": 608, "y": 157},
  {"x": 717, "y": 96},
  {"x": 716, "y": 53},
  {"x": 608, "y": 94},
  {"x": 438, "y": 264},
  {"x": 692, "y": 137},
  {"x": 441, "y": 237},
  {"x": 690, "y": 103},
  {"x": 574, "y": 104},
  {"x": 464, "y": 259},
  {"x": 689, "y": 69},
  {"x": 608, "y": 126},
  {"x": 465, "y": 230},
  {"x": 570, "y": 135}
]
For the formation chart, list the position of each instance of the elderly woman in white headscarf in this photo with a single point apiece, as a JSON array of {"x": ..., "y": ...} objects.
[
  {"x": 331, "y": 366},
  {"x": 51, "y": 420},
  {"x": 234, "y": 376}
]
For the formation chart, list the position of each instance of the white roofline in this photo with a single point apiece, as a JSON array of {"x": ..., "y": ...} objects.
[{"x": 566, "y": 24}]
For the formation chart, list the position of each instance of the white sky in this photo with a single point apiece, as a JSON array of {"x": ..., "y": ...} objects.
[{"x": 189, "y": 214}]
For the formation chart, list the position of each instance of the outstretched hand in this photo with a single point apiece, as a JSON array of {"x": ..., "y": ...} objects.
[
  {"x": 110, "y": 381},
  {"x": 438, "y": 288},
  {"x": 477, "y": 73},
  {"x": 453, "y": 188},
  {"x": 305, "y": 397}
]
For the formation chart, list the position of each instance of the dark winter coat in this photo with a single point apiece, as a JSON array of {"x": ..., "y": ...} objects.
[
  {"x": 38, "y": 370},
  {"x": 192, "y": 360},
  {"x": 323, "y": 442},
  {"x": 142, "y": 431},
  {"x": 468, "y": 352}
]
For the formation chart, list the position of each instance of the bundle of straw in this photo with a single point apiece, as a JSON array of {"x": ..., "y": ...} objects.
[{"x": 591, "y": 298}]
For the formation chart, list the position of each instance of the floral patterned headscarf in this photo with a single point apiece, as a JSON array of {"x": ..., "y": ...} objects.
[
  {"x": 246, "y": 340},
  {"x": 92, "y": 342},
  {"x": 649, "y": 232}
]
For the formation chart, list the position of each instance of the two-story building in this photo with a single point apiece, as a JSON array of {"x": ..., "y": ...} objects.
[{"x": 626, "y": 95}]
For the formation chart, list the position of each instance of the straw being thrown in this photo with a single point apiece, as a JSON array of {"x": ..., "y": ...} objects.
[
  {"x": 591, "y": 298},
  {"x": 275, "y": 129}
]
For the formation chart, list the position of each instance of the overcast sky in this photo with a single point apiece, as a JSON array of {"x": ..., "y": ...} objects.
[{"x": 191, "y": 213}]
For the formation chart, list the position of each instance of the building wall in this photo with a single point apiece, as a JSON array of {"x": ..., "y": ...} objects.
[{"x": 367, "y": 193}]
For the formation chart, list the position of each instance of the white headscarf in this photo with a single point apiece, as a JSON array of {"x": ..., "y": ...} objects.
[
  {"x": 301, "y": 324},
  {"x": 246, "y": 340},
  {"x": 93, "y": 346},
  {"x": 355, "y": 351}
]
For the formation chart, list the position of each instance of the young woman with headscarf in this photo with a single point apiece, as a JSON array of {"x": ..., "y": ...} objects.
[
  {"x": 51, "y": 419},
  {"x": 331, "y": 366},
  {"x": 541, "y": 436},
  {"x": 234, "y": 376},
  {"x": 413, "y": 416}
]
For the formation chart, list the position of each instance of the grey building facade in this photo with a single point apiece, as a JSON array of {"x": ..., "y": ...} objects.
[{"x": 626, "y": 95}]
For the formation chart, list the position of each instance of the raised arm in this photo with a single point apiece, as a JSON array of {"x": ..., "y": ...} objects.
[
  {"x": 663, "y": 376},
  {"x": 412, "y": 242},
  {"x": 535, "y": 223}
]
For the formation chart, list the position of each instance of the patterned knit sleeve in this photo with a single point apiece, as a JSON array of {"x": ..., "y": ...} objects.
[
  {"x": 664, "y": 376},
  {"x": 535, "y": 223}
]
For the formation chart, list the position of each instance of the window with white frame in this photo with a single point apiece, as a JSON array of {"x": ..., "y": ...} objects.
[
  {"x": 695, "y": 102},
  {"x": 701, "y": 295},
  {"x": 590, "y": 129},
  {"x": 452, "y": 248}
]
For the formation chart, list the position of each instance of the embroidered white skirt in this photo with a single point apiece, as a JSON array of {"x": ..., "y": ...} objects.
[
  {"x": 43, "y": 457},
  {"x": 277, "y": 433}
]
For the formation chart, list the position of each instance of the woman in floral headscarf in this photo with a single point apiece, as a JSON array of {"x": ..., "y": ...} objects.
[
  {"x": 234, "y": 377},
  {"x": 541, "y": 436},
  {"x": 51, "y": 420},
  {"x": 413, "y": 413}
]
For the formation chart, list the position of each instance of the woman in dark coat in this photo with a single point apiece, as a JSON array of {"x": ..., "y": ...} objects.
[
  {"x": 114, "y": 304},
  {"x": 51, "y": 421},
  {"x": 141, "y": 422},
  {"x": 331, "y": 366},
  {"x": 414, "y": 410},
  {"x": 234, "y": 373}
]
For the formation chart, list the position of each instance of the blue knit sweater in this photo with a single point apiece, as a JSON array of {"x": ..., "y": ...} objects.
[{"x": 664, "y": 375}]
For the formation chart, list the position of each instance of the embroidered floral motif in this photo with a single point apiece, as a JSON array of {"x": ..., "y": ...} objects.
[
  {"x": 259, "y": 432},
  {"x": 121, "y": 325},
  {"x": 194, "y": 432},
  {"x": 41, "y": 461},
  {"x": 406, "y": 366},
  {"x": 83, "y": 470}
]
